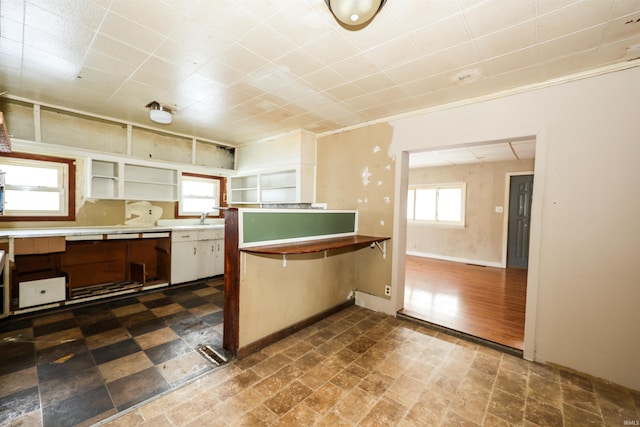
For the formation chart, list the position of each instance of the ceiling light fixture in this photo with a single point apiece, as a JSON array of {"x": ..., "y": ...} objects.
[
  {"x": 354, "y": 14},
  {"x": 158, "y": 113}
]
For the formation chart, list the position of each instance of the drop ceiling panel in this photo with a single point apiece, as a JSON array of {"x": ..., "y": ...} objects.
[
  {"x": 494, "y": 15},
  {"x": 241, "y": 70},
  {"x": 483, "y": 153}
]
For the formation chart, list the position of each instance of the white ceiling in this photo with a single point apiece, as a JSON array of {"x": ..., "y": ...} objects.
[
  {"x": 242, "y": 70},
  {"x": 484, "y": 153}
]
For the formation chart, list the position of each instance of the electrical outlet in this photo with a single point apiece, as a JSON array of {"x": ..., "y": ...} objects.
[{"x": 387, "y": 290}]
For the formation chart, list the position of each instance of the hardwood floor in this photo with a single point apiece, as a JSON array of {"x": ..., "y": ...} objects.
[{"x": 485, "y": 302}]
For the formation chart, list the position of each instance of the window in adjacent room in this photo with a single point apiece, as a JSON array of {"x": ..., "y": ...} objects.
[
  {"x": 38, "y": 188},
  {"x": 200, "y": 194},
  {"x": 437, "y": 203}
]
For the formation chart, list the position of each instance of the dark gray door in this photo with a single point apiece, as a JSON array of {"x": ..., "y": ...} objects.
[{"x": 520, "y": 196}]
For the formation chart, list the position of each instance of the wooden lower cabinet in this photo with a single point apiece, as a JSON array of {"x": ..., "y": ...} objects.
[
  {"x": 90, "y": 268},
  {"x": 91, "y": 263}
]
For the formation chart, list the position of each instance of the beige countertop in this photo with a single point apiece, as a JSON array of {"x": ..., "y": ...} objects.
[{"x": 114, "y": 229}]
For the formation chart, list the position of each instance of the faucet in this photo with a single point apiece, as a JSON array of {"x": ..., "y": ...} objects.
[{"x": 203, "y": 216}]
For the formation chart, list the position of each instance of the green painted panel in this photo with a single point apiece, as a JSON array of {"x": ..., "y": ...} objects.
[{"x": 265, "y": 226}]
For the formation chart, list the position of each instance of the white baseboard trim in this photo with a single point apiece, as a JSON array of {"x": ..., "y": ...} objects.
[
  {"x": 374, "y": 303},
  {"x": 457, "y": 259}
]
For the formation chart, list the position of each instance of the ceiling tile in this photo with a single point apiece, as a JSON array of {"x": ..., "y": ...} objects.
[
  {"x": 37, "y": 62},
  {"x": 524, "y": 149},
  {"x": 225, "y": 17},
  {"x": 128, "y": 32},
  {"x": 508, "y": 40},
  {"x": 489, "y": 150},
  {"x": 346, "y": 91},
  {"x": 516, "y": 78},
  {"x": 266, "y": 42},
  {"x": 263, "y": 10},
  {"x": 355, "y": 67},
  {"x": 299, "y": 62},
  {"x": 622, "y": 50},
  {"x": 11, "y": 30},
  {"x": 325, "y": 78},
  {"x": 361, "y": 102},
  {"x": 271, "y": 78},
  {"x": 160, "y": 81},
  {"x": 374, "y": 82},
  {"x": 13, "y": 9},
  {"x": 54, "y": 34},
  {"x": 84, "y": 14},
  {"x": 390, "y": 95},
  {"x": 627, "y": 26},
  {"x": 512, "y": 61},
  {"x": 330, "y": 48},
  {"x": 240, "y": 58},
  {"x": 546, "y": 6},
  {"x": 413, "y": 15},
  {"x": 625, "y": 7},
  {"x": 571, "y": 44},
  {"x": 577, "y": 16},
  {"x": 307, "y": 25},
  {"x": 410, "y": 71},
  {"x": 480, "y": 87},
  {"x": 459, "y": 56},
  {"x": 116, "y": 49},
  {"x": 392, "y": 52},
  {"x": 163, "y": 19},
  {"x": 220, "y": 72},
  {"x": 441, "y": 35},
  {"x": 568, "y": 64},
  {"x": 427, "y": 84},
  {"x": 193, "y": 89},
  {"x": 494, "y": 15},
  {"x": 194, "y": 35}
]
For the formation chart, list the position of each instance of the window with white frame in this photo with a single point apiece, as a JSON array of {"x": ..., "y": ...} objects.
[
  {"x": 437, "y": 203},
  {"x": 38, "y": 187},
  {"x": 200, "y": 194}
]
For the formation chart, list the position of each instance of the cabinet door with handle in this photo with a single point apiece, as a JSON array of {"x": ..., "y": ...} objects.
[
  {"x": 219, "y": 264},
  {"x": 207, "y": 259},
  {"x": 184, "y": 261}
]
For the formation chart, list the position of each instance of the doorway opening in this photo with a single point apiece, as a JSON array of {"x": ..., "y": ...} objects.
[{"x": 472, "y": 279}]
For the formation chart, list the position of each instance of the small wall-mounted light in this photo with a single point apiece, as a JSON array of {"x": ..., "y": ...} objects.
[
  {"x": 354, "y": 14},
  {"x": 159, "y": 113}
]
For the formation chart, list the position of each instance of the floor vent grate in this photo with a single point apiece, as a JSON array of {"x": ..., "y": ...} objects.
[{"x": 212, "y": 355}]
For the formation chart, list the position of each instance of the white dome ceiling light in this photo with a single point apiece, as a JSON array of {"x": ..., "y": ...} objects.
[
  {"x": 159, "y": 113},
  {"x": 354, "y": 14}
]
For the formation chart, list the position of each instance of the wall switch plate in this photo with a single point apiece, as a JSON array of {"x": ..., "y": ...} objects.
[
  {"x": 498, "y": 209},
  {"x": 387, "y": 290}
]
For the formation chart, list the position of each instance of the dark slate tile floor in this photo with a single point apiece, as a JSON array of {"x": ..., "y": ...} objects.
[{"x": 79, "y": 365}]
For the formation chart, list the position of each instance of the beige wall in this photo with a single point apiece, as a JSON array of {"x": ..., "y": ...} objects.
[
  {"x": 481, "y": 240},
  {"x": 274, "y": 297},
  {"x": 583, "y": 281},
  {"x": 344, "y": 162}
]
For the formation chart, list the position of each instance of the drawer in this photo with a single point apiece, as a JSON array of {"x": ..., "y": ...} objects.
[
  {"x": 184, "y": 236},
  {"x": 39, "y": 245},
  {"x": 215, "y": 234},
  {"x": 43, "y": 291}
]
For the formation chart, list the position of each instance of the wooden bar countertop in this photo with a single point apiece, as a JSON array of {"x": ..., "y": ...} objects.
[{"x": 310, "y": 246}]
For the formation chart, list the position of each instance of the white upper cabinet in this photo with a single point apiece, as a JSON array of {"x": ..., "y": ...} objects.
[
  {"x": 107, "y": 179},
  {"x": 295, "y": 185},
  {"x": 150, "y": 183}
]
